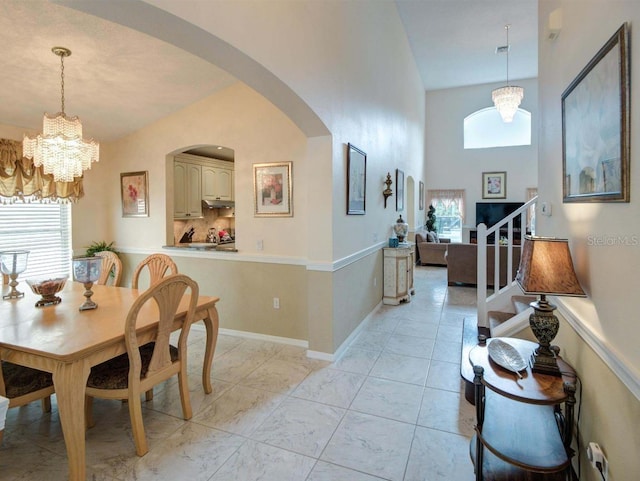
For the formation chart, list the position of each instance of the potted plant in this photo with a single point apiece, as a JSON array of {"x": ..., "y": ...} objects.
[
  {"x": 431, "y": 219},
  {"x": 99, "y": 247}
]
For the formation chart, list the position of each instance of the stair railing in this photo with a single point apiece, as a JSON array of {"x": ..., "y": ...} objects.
[{"x": 504, "y": 226}]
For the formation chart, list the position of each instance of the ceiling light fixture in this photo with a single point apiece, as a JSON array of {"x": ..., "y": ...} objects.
[
  {"x": 507, "y": 99},
  {"x": 60, "y": 148}
]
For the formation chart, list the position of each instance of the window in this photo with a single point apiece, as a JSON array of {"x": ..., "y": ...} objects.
[
  {"x": 43, "y": 229},
  {"x": 449, "y": 205},
  {"x": 485, "y": 128},
  {"x": 531, "y": 192}
]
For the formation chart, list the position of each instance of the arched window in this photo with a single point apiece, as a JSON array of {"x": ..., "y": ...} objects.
[{"x": 484, "y": 129}]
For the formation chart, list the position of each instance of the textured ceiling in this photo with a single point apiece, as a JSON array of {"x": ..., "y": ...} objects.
[{"x": 118, "y": 80}]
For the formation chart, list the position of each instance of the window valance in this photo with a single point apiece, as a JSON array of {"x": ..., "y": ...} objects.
[{"x": 20, "y": 180}]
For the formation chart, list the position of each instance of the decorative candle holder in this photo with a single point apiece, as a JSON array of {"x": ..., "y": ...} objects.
[
  {"x": 87, "y": 270},
  {"x": 13, "y": 263}
]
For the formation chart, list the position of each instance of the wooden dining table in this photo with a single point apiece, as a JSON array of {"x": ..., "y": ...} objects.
[{"x": 67, "y": 342}]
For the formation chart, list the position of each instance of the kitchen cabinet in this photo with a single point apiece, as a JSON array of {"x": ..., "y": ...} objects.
[
  {"x": 196, "y": 179},
  {"x": 187, "y": 193},
  {"x": 398, "y": 274},
  {"x": 217, "y": 183}
]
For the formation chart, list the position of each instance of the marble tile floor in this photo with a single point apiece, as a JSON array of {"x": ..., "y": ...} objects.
[{"x": 391, "y": 408}]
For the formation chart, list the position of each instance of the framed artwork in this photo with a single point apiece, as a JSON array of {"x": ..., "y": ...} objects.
[
  {"x": 272, "y": 190},
  {"x": 595, "y": 127},
  {"x": 356, "y": 180},
  {"x": 134, "y": 191},
  {"x": 421, "y": 194},
  {"x": 399, "y": 190},
  {"x": 494, "y": 185}
]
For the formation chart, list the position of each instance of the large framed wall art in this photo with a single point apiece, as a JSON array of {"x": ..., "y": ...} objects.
[{"x": 595, "y": 127}]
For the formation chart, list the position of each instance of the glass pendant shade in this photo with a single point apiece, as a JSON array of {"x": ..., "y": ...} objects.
[
  {"x": 60, "y": 149},
  {"x": 507, "y": 100}
]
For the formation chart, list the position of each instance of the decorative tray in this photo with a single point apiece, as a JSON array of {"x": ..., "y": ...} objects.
[{"x": 506, "y": 356}]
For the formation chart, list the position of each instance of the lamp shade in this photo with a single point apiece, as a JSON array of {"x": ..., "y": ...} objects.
[{"x": 546, "y": 268}]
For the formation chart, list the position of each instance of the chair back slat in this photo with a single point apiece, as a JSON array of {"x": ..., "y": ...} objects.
[
  {"x": 110, "y": 263},
  {"x": 158, "y": 265}
]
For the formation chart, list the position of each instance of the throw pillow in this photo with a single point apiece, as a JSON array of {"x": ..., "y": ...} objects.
[{"x": 431, "y": 237}]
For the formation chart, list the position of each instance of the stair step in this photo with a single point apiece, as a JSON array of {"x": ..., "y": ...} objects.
[
  {"x": 521, "y": 303},
  {"x": 498, "y": 317}
]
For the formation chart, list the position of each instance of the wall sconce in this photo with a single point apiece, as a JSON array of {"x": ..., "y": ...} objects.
[{"x": 387, "y": 192}]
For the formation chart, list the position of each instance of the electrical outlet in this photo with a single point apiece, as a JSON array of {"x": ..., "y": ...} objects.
[
  {"x": 545, "y": 209},
  {"x": 276, "y": 303},
  {"x": 375, "y": 237},
  {"x": 259, "y": 245},
  {"x": 598, "y": 460}
]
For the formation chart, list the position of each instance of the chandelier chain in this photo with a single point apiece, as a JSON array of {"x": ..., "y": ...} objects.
[
  {"x": 507, "y": 28},
  {"x": 62, "y": 80}
]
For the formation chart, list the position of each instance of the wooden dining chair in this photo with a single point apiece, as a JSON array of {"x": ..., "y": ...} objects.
[
  {"x": 22, "y": 385},
  {"x": 129, "y": 375},
  {"x": 111, "y": 263},
  {"x": 4, "y": 405},
  {"x": 158, "y": 265}
]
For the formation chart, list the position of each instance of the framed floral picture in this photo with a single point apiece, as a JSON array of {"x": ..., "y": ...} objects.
[
  {"x": 134, "y": 191},
  {"x": 273, "y": 190},
  {"x": 494, "y": 185}
]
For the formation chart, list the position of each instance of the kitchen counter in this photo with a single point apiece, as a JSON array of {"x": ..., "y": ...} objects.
[{"x": 205, "y": 246}]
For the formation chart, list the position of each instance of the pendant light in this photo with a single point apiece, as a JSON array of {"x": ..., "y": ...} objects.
[
  {"x": 507, "y": 99},
  {"x": 60, "y": 149}
]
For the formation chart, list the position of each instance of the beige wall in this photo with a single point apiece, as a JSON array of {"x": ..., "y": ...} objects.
[{"x": 605, "y": 322}]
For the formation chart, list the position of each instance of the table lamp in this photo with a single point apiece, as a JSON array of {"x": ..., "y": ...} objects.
[
  {"x": 546, "y": 269},
  {"x": 13, "y": 263},
  {"x": 87, "y": 270}
]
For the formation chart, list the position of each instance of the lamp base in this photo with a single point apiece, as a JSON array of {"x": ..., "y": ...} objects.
[{"x": 544, "y": 325}]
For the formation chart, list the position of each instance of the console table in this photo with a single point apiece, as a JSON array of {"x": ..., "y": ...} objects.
[
  {"x": 524, "y": 426},
  {"x": 398, "y": 265}
]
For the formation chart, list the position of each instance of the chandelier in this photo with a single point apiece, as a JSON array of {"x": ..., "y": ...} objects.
[
  {"x": 60, "y": 149},
  {"x": 507, "y": 99}
]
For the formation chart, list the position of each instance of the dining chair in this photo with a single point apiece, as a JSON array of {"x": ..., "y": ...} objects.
[
  {"x": 4, "y": 405},
  {"x": 110, "y": 263},
  {"x": 22, "y": 385},
  {"x": 158, "y": 265},
  {"x": 142, "y": 367}
]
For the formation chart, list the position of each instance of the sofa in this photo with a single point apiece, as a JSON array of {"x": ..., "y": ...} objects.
[
  {"x": 431, "y": 250},
  {"x": 462, "y": 264}
]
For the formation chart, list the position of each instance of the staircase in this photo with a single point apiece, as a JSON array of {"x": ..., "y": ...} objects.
[{"x": 503, "y": 312}]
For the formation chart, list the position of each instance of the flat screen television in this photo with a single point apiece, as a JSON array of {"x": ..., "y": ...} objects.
[{"x": 489, "y": 213}]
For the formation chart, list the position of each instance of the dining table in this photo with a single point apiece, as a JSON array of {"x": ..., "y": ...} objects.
[{"x": 67, "y": 342}]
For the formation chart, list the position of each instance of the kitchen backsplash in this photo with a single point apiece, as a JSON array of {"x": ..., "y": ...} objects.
[{"x": 202, "y": 226}]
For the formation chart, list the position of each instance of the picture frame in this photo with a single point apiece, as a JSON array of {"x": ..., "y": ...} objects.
[
  {"x": 399, "y": 190},
  {"x": 494, "y": 185},
  {"x": 273, "y": 189},
  {"x": 356, "y": 180},
  {"x": 134, "y": 193},
  {"x": 421, "y": 194},
  {"x": 596, "y": 127}
]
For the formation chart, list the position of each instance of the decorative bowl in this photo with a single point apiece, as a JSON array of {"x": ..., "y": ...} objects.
[{"x": 47, "y": 288}]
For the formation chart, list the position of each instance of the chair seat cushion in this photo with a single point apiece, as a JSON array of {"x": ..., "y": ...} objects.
[
  {"x": 114, "y": 373},
  {"x": 21, "y": 380}
]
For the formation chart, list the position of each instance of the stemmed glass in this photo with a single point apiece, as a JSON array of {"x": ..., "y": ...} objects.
[
  {"x": 13, "y": 263},
  {"x": 87, "y": 270}
]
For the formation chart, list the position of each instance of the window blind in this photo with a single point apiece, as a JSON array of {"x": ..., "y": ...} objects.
[{"x": 42, "y": 229}]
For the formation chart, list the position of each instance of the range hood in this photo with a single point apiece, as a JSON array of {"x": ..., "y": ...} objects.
[{"x": 218, "y": 204}]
